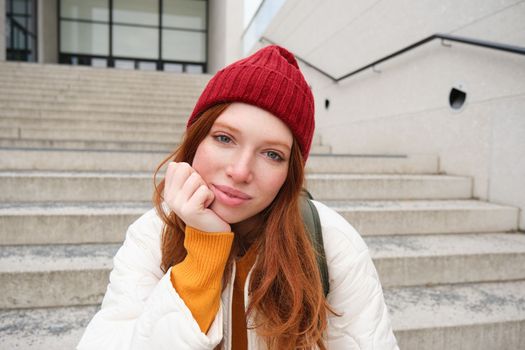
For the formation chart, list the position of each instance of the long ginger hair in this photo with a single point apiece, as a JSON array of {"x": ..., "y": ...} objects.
[{"x": 286, "y": 295}]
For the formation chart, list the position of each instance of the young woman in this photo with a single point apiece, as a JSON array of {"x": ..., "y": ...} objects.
[{"x": 224, "y": 260}]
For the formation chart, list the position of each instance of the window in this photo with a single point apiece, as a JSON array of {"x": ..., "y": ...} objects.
[
  {"x": 21, "y": 38},
  {"x": 135, "y": 34}
]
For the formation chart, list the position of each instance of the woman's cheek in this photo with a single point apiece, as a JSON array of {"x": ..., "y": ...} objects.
[
  {"x": 275, "y": 182},
  {"x": 203, "y": 160}
]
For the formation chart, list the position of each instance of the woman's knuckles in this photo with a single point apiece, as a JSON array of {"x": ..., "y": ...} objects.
[
  {"x": 193, "y": 180},
  {"x": 189, "y": 197}
]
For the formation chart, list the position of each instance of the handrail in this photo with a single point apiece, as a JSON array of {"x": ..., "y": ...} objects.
[{"x": 481, "y": 43}]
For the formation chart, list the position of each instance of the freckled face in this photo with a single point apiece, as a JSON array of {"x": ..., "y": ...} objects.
[{"x": 244, "y": 160}]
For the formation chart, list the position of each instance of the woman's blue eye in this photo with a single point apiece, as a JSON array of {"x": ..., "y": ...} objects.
[
  {"x": 274, "y": 155},
  {"x": 223, "y": 138}
]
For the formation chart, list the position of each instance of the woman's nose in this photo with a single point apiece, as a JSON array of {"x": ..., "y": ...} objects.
[{"x": 240, "y": 168}]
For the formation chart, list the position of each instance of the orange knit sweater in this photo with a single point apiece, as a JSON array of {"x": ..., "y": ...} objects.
[{"x": 198, "y": 278}]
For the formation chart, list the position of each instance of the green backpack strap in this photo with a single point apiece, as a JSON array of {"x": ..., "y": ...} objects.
[{"x": 313, "y": 227}]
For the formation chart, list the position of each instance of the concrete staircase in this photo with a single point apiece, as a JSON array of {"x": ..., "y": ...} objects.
[{"x": 77, "y": 151}]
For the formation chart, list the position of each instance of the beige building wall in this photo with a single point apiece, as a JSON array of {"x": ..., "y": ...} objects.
[
  {"x": 404, "y": 108},
  {"x": 47, "y": 31},
  {"x": 2, "y": 30},
  {"x": 224, "y": 33}
]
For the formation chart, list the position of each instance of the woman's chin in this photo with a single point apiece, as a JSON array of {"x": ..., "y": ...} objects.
[{"x": 228, "y": 215}]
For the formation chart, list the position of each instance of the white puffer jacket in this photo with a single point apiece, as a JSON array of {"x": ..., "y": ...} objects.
[{"x": 142, "y": 310}]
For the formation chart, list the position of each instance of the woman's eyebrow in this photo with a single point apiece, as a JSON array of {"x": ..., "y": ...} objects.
[
  {"x": 278, "y": 143},
  {"x": 235, "y": 130},
  {"x": 226, "y": 126}
]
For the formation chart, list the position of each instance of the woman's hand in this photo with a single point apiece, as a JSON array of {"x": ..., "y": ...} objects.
[{"x": 188, "y": 196}]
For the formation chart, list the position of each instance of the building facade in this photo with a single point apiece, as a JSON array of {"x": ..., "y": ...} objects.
[{"x": 170, "y": 35}]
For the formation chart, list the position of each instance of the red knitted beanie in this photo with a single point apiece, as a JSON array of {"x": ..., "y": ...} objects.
[{"x": 269, "y": 79}]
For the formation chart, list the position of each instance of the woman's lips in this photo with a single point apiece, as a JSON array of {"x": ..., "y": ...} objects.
[{"x": 229, "y": 196}]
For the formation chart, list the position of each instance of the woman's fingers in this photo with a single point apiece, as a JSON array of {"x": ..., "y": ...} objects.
[
  {"x": 176, "y": 175},
  {"x": 169, "y": 174},
  {"x": 183, "y": 181},
  {"x": 188, "y": 195},
  {"x": 180, "y": 175},
  {"x": 192, "y": 183},
  {"x": 205, "y": 219},
  {"x": 199, "y": 197},
  {"x": 210, "y": 199}
]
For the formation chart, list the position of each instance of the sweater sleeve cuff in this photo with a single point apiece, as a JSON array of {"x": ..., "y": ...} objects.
[{"x": 207, "y": 255}]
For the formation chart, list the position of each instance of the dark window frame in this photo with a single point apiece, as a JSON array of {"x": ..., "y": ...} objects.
[
  {"x": 68, "y": 57},
  {"x": 24, "y": 54}
]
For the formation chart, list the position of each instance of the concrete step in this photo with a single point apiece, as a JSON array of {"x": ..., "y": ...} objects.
[
  {"x": 54, "y": 275},
  {"x": 95, "y": 107},
  {"x": 171, "y": 81},
  {"x": 37, "y": 113},
  {"x": 110, "y": 101},
  {"x": 71, "y": 133},
  {"x": 105, "y": 99},
  {"x": 71, "y": 95},
  {"x": 376, "y": 187},
  {"x": 427, "y": 216},
  {"x": 446, "y": 259},
  {"x": 158, "y": 100},
  {"x": 98, "y": 222},
  {"x": 60, "y": 71},
  {"x": 35, "y": 186},
  {"x": 102, "y": 91},
  {"x": 78, "y": 274},
  {"x": 74, "y": 76},
  {"x": 81, "y": 145},
  {"x": 102, "y": 125},
  {"x": 94, "y": 84},
  {"x": 484, "y": 316},
  {"x": 60, "y": 90},
  {"x": 9, "y": 133},
  {"x": 70, "y": 92},
  {"x": 44, "y": 328},
  {"x": 86, "y": 160},
  {"x": 79, "y": 160},
  {"x": 372, "y": 164},
  {"x": 67, "y": 223},
  {"x": 38, "y": 186},
  {"x": 109, "y": 76},
  {"x": 54, "y": 69}
]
